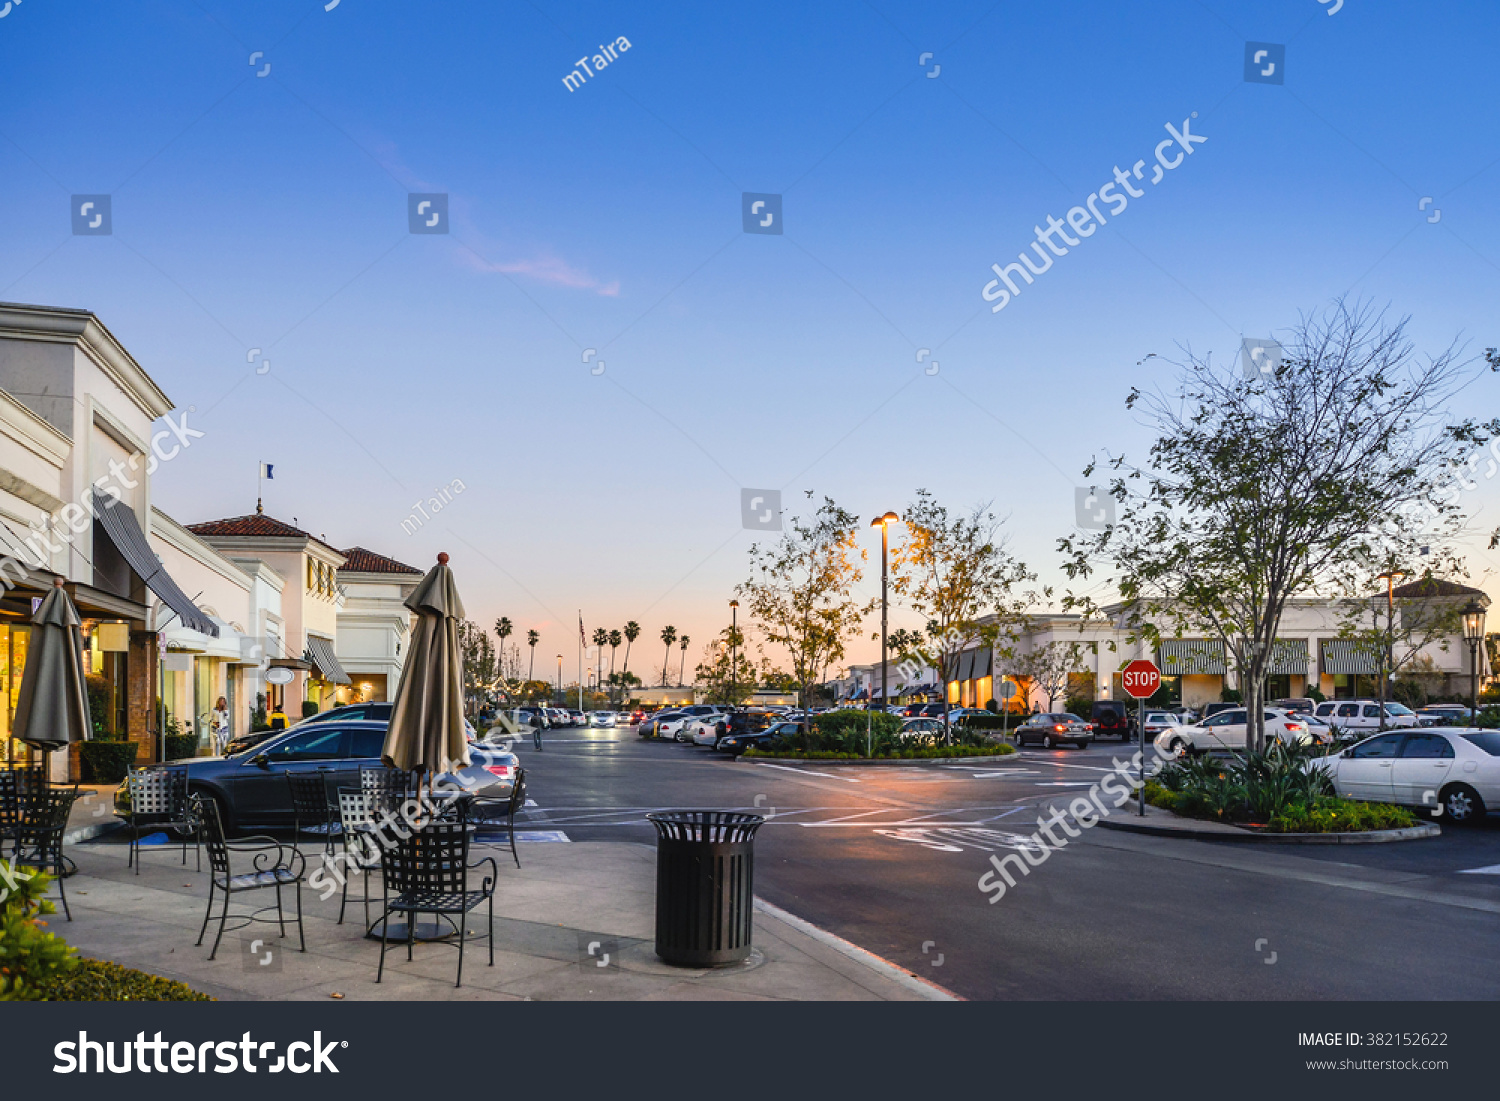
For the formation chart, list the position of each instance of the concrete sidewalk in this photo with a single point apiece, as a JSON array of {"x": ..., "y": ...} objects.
[{"x": 565, "y": 898}]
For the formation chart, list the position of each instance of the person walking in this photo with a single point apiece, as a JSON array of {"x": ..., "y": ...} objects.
[{"x": 219, "y": 726}]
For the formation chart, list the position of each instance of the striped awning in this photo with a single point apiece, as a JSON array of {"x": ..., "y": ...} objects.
[
  {"x": 1289, "y": 655},
  {"x": 1191, "y": 657},
  {"x": 1349, "y": 656},
  {"x": 320, "y": 653},
  {"x": 973, "y": 664},
  {"x": 125, "y": 533}
]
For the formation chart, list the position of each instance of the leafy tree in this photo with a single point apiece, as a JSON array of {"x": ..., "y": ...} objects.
[
  {"x": 632, "y": 632},
  {"x": 601, "y": 640},
  {"x": 957, "y": 573},
  {"x": 726, "y": 674},
  {"x": 1312, "y": 477},
  {"x": 1047, "y": 667},
  {"x": 798, "y": 593},
  {"x": 620, "y": 684},
  {"x": 1400, "y": 634},
  {"x": 669, "y": 636}
]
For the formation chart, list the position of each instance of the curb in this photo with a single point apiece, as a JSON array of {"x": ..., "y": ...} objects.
[
  {"x": 863, "y": 763},
  {"x": 88, "y": 833},
  {"x": 1237, "y": 834},
  {"x": 928, "y": 990}
]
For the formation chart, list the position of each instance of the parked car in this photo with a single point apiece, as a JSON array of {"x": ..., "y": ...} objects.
[
  {"x": 637, "y": 717},
  {"x": 1363, "y": 716},
  {"x": 700, "y": 710},
  {"x": 1445, "y": 714},
  {"x": 1114, "y": 718},
  {"x": 648, "y": 726},
  {"x": 1229, "y": 730},
  {"x": 251, "y": 788},
  {"x": 602, "y": 718},
  {"x": 766, "y": 738},
  {"x": 1298, "y": 704},
  {"x": 923, "y": 725},
  {"x": 1158, "y": 722},
  {"x": 1212, "y": 709},
  {"x": 752, "y": 720},
  {"x": 671, "y": 725},
  {"x": 355, "y": 711},
  {"x": 1054, "y": 728},
  {"x": 708, "y": 730},
  {"x": 1454, "y": 770}
]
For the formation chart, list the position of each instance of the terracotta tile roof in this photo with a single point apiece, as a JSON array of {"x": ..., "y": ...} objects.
[
  {"x": 360, "y": 560},
  {"x": 256, "y": 525},
  {"x": 1433, "y": 586}
]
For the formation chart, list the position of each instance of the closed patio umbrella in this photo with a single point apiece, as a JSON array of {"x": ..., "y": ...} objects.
[
  {"x": 52, "y": 709},
  {"x": 427, "y": 716}
]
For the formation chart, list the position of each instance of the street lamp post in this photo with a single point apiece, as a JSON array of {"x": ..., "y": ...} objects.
[
  {"x": 1390, "y": 629},
  {"x": 560, "y": 699},
  {"x": 734, "y": 634},
  {"x": 1473, "y": 634},
  {"x": 884, "y": 523}
]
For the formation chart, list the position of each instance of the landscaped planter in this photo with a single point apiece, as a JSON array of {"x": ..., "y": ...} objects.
[{"x": 106, "y": 762}]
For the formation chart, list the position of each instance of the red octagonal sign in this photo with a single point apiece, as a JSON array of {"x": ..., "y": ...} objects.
[{"x": 1142, "y": 678}]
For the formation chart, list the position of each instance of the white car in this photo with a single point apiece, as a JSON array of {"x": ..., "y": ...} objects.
[
  {"x": 1447, "y": 770},
  {"x": 708, "y": 731},
  {"x": 1363, "y": 716},
  {"x": 675, "y": 727},
  {"x": 1159, "y": 722},
  {"x": 1228, "y": 729},
  {"x": 602, "y": 718}
]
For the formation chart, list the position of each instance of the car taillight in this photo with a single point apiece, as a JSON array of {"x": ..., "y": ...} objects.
[
  {"x": 1059, "y": 728},
  {"x": 502, "y": 772}
]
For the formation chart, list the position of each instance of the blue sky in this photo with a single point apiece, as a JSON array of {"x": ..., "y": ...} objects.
[{"x": 270, "y": 212}]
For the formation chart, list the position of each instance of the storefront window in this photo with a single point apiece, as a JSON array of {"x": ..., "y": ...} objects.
[{"x": 13, "y": 642}]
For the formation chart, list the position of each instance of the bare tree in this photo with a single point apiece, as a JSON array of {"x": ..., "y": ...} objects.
[{"x": 1305, "y": 478}]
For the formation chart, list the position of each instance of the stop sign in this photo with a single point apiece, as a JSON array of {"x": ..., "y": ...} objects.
[{"x": 1142, "y": 678}]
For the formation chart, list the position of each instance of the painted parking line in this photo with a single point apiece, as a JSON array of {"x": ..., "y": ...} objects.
[
  {"x": 522, "y": 836},
  {"x": 808, "y": 772}
]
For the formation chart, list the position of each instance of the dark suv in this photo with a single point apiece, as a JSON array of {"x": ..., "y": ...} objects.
[{"x": 1113, "y": 718}]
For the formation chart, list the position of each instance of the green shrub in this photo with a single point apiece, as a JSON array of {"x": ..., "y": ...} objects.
[
  {"x": 837, "y": 724},
  {"x": 180, "y": 746},
  {"x": 1333, "y": 815},
  {"x": 105, "y": 762},
  {"x": 30, "y": 957},
  {"x": 1278, "y": 789},
  {"x": 309, "y": 709},
  {"x": 102, "y": 981}
]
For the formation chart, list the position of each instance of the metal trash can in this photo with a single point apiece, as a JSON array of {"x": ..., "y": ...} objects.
[{"x": 705, "y": 886}]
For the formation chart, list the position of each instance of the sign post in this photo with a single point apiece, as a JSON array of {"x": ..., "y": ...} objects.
[
  {"x": 1007, "y": 693},
  {"x": 1141, "y": 679}
]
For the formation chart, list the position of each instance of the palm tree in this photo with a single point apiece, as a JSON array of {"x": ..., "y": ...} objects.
[
  {"x": 669, "y": 636},
  {"x": 532, "y": 638},
  {"x": 682, "y": 661},
  {"x": 504, "y": 628},
  {"x": 632, "y": 632},
  {"x": 614, "y": 644},
  {"x": 601, "y": 640}
]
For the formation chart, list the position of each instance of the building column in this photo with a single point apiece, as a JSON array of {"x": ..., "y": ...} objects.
[{"x": 141, "y": 704}]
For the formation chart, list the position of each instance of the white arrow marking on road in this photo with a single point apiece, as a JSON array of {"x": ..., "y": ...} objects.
[{"x": 1493, "y": 869}]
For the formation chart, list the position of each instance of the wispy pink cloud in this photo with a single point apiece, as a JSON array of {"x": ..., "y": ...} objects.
[{"x": 547, "y": 268}]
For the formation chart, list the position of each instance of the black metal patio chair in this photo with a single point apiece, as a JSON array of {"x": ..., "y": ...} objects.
[
  {"x": 39, "y": 834},
  {"x": 428, "y": 871},
  {"x": 273, "y": 865},
  {"x": 362, "y": 846},
  {"x": 312, "y": 809},
  {"x": 490, "y": 813},
  {"x": 15, "y": 783},
  {"x": 159, "y": 801}
]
